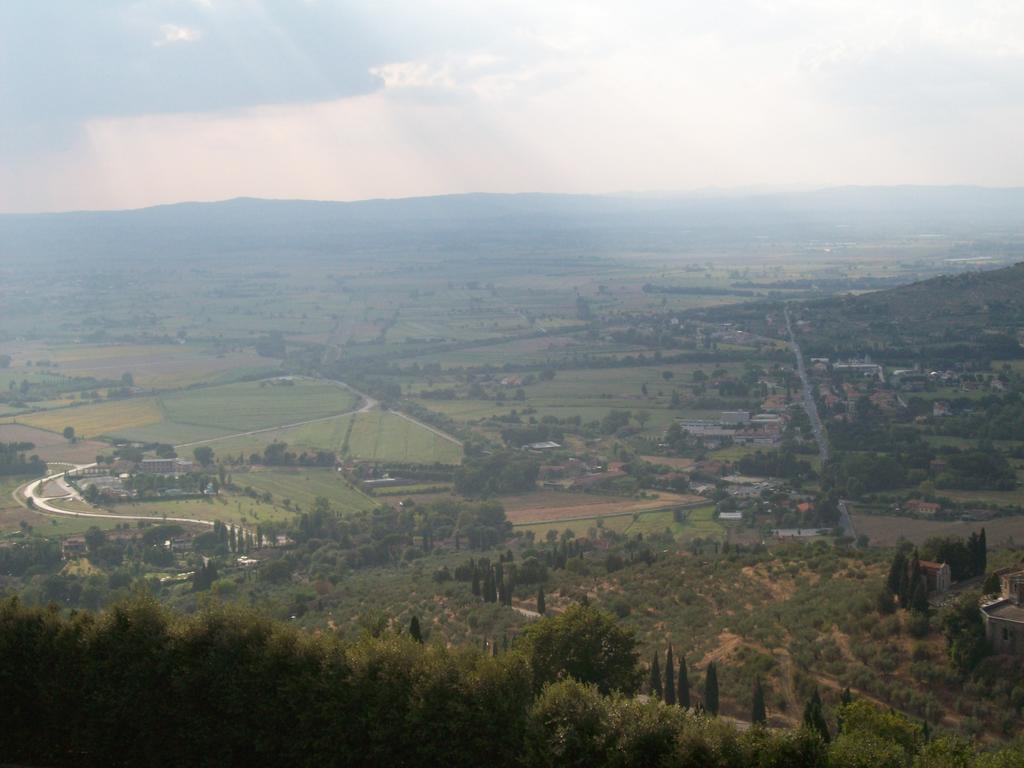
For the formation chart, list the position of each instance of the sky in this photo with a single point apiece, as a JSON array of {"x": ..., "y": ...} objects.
[{"x": 123, "y": 104}]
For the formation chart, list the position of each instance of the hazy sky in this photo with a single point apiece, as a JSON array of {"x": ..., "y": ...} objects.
[{"x": 111, "y": 103}]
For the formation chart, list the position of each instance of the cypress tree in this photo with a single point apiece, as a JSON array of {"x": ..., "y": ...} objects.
[
  {"x": 492, "y": 592},
  {"x": 814, "y": 717},
  {"x": 919, "y": 600},
  {"x": 494, "y": 647},
  {"x": 670, "y": 677},
  {"x": 897, "y": 569},
  {"x": 414, "y": 630},
  {"x": 758, "y": 715},
  {"x": 540, "y": 601},
  {"x": 914, "y": 578},
  {"x": 711, "y": 690},
  {"x": 983, "y": 552},
  {"x": 683, "y": 697},
  {"x": 476, "y": 582},
  {"x": 655, "y": 677}
]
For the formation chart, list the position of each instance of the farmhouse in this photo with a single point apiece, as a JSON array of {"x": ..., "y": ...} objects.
[
  {"x": 72, "y": 546},
  {"x": 938, "y": 576},
  {"x": 921, "y": 507}
]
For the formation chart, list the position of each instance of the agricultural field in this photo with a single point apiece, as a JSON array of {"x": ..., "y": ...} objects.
[
  {"x": 154, "y": 366},
  {"x": 50, "y": 446},
  {"x": 302, "y": 485},
  {"x": 888, "y": 530},
  {"x": 232, "y": 509},
  {"x": 98, "y": 419},
  {"x": 559, "y": 506},
  {"x": 257, "y": 405},
  {"x": 391, "y": 437},
  {"x": 374, "y": 435},
  {"x": 201, "y": 413}
]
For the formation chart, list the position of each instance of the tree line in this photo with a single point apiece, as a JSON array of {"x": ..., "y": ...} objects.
[{"x": 137, "y": 685}]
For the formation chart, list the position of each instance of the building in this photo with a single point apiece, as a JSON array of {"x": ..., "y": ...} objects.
[
  {"x": 938, "y": 576},
  {"x": 165, "y": 466},
  {"x": 72, "y": 546},
  {"x": 1004, "y": 617},
  {"x": 546, "y": 445},
  {"x": 862, "y": 367},
  {"x": 921, "y": 507},
  {"x": 734, "y": 417}
]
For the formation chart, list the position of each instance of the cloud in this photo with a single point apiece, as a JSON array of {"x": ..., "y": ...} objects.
[
  {"x": 172, "y": 33},
  {"x": 343, "y": 98}
]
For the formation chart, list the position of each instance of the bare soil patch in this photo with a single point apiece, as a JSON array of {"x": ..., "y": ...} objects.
[
  {"x": 545, "y": 506},
  {"x": 886, "y": 530},
  {"x": 670, "y": 461}
]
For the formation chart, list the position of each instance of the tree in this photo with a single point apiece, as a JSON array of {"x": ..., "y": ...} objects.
[
  {"x": 655, "y": 682},
  {"x": 919, "y": 599},
  {"x": 69, "y": 433},
  {"x": 127, "y": 379},
  {"x": 897, "y": 573},
  {"x": 94, "y": 539},
  {"x": 711, "y": 689},
  {"x": 414, "y": 630},
  {"x": 946, "y": 752},
  {"x": 758, "y": 714},
  {"x": 863, "y": 718},
  {"x": 204, "y": 455},
  {"x": 982, "y": 552},
  {"x": 683, "y": 691},
  {"x": 670, "y": 677},
  {"x": 585, "y": 644},
  {"x": 541, "y": 608},
  {"x": 814, "y": 716}
]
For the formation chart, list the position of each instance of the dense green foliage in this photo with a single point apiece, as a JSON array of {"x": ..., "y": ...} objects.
[
  {"x": 506, "y": 472},
  {"x": 139, "y": 686},
  {"x": 15, "y": 461}
]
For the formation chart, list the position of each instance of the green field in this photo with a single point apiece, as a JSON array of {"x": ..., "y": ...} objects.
[
  {"x": 228, "y": 509},
  {"x": 201, "y": 413},
  {"x": 256, "y": 405},
  {"x": 699, "y": 522},
  {"x": 302, "y": 486},
  {"x": 390, "y": 437},
  {"x": 380, "y": 435}
]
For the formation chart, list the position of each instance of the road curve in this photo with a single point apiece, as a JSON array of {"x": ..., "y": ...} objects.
[{"x": 43, "y": 504}]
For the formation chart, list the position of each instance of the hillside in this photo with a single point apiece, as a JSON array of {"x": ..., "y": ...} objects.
[
  {"x": 972, "y": 315},
  {"x": 585, "y": 224}
]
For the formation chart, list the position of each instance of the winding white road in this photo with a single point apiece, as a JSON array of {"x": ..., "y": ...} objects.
[{"x": 44, "y": 504}]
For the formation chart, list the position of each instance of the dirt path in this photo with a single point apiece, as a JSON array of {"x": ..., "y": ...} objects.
[{"x": 435, "y": 430}]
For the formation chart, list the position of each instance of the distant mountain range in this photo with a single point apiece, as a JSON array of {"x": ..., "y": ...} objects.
[{"x": 582, "y": 224}]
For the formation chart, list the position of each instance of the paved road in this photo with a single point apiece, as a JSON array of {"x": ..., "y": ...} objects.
[
  {"x": 808, "y": 395},
  {"x": 44, "y": 504},
  {"x": 845, "y": 522}
]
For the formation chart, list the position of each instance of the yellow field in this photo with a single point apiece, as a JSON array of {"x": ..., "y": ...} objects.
[{"x": 99, "y": 418}]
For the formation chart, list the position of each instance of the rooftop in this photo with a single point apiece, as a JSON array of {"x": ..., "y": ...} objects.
[{"x": 1004, "y": 609}]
